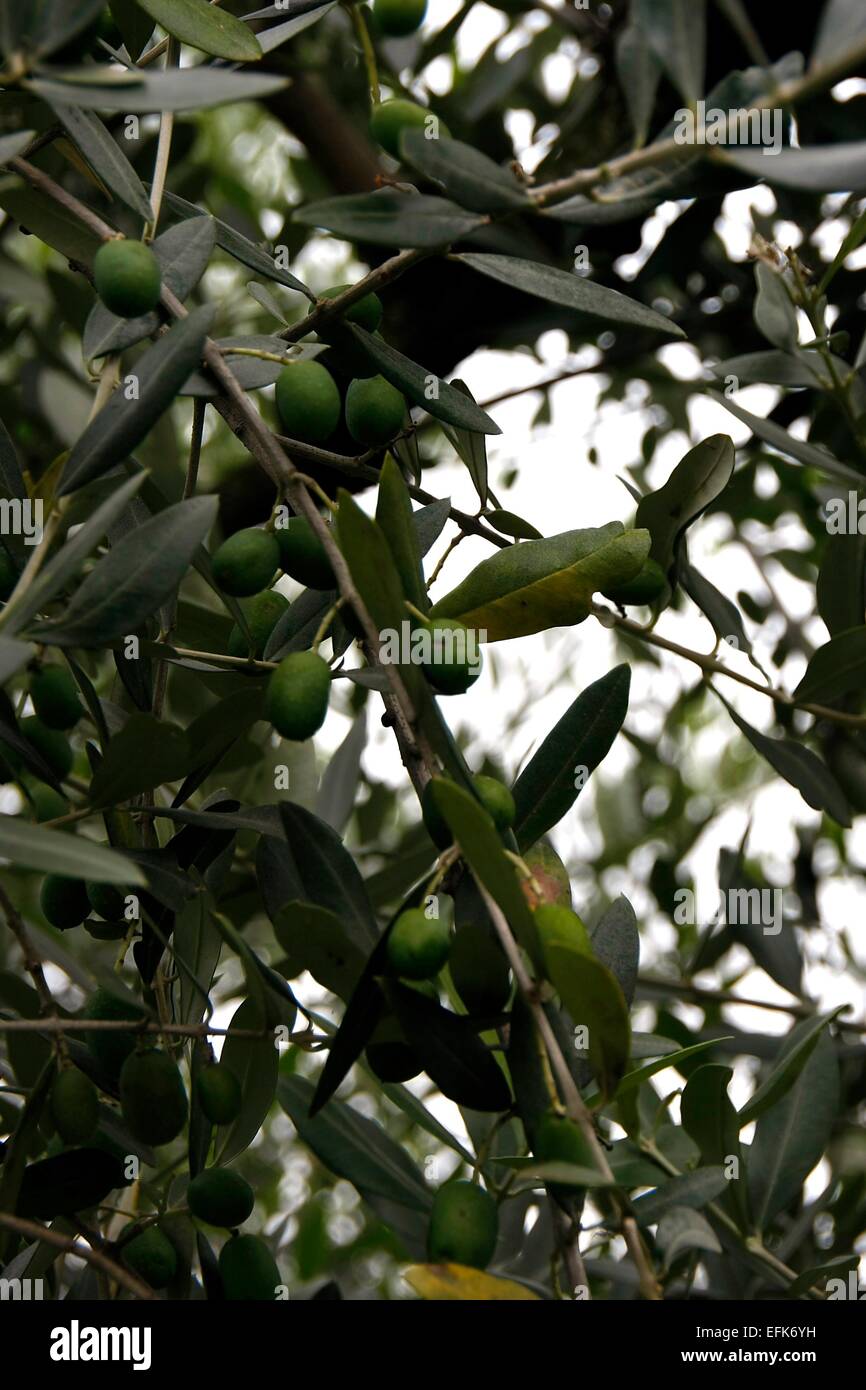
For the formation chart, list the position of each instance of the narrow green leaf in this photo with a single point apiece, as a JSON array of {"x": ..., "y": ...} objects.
[
  {"x": 835, "y": 669},
  {"x": 688, "y": 1190},
  {"x": 800, "y": 767},
  {"x": 389, "y": 218},
  {"x": 355, "y": 1148},
  {"x": 594, "y": 1000},
  {"x": 68, "y": 559},
  {"x": 239, "y": 247},
  {"x": 177, "y": 89},
  {"x": 122, "y": 424},
  {"x": 438, "y": 397},
  {"x": 315, "y": 939},
  {"x": 542, "y": 584},
  {"x": 812, "y": 455},
  {"x": 676, "y": 31},
  {"x": 474, "y": 830},
  {"x": 565, "y": 288},
  {"x": 711, "y": 1120},
  {"x": 551, "y": 782},
  {"x": 134, "y": 578},
  {"x": 204, "y": 27},
  {"x": 697, "y": 480},
  {"x": 255, "y": 1062},
  {"x": 790, "y": 1064},
  {"x": 791, "y": 1138},
  {"x": 395, "y": 517},
  {"x": 452, "y": 1055},
  {"x": 57, "y": 852},
  {"x": 463, "y": 173},
  {"x": 105, "y": 157},
  {"x": 144, "y": 754},
  {"x": 821, "y": 169}
]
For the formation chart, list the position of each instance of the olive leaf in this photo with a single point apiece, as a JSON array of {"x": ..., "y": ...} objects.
[{"x": 547, "y": 583}]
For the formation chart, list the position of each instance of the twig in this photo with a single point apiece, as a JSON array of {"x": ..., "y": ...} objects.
[
  {"x": 33, "y": 1231},
  {"x": 33, "y": 966},
  {"x": 709, "y": 663}
]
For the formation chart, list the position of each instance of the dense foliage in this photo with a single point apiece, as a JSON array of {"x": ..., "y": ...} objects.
[{"x": 244, "y": 253}]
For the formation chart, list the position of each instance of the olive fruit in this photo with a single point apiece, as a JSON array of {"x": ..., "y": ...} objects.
[
  {"x": 219, "y": 1093},
  {"x": 64, "y": 901},
  {"x": 152, "y": 1257},
  {"x": 303, "y": 556},
  {"x": 418, "y": 945},
  {"x": 550, "y": 883},
  {"x": 8, "y": 575},
  {"x": 308, "y": 401},
  {"x": 54, "y": 746},
  {"x": 396, "y": 18},
  {"x": 389, "y": 119},
  {"x": 374, "y": 410},
  {"x": 366, "y": 312},
  {"x": 74, "y": 1106},
  {"x": 152, "y": 1096},
  {"x": 479, "y": 970},
  {"x": 464, "y": 1225},
  {"x": 496, "y": 800},
  {"x": 47, "y": 803},
  {"x": 455, "y": 661},
  {"x": 297, "y": 694},
  {"x": 127, "y": 277},
  {"x": 560, "y": 1140},
  {"x": 107, "y": 900},
  {"x": 112, "y": 1047},
  {"x": 246, "y": 562},
  {"x": 248, "y": 1270},
  {"x": 55, "y": 697},
  {"x": 220, "y": 1197},
  {"x": 434, "y": 821},
  {"x": 262, "y": 612},
  {"x": 646, "y": 586}
]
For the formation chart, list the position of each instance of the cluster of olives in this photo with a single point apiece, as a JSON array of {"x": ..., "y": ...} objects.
[
  {"x": 308, "y": 398},
  {"x": 155, "y": 1108},
  {"x": 54, "y": 696},
  {"x": 68, "y": 902}
]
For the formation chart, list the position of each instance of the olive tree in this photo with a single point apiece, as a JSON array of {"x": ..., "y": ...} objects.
[{"x": 273, "y": 1026}]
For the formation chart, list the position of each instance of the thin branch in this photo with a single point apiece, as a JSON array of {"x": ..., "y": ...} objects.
[
  {"x": 33, "y": 1231},
  {"x": 710, "y": 664},
  {"x": 575, "y": 1106},
  {"x": 33, "y": 966},
  {"x": 686, "y": 990},
  {"x": 106, "y": 1025},
  {"x": 163, "y": 149}
]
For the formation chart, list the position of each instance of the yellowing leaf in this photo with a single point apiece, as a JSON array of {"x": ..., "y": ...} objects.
[
  {"x": 537, "y": 585},
  {"x": 463, "y": 1285}
]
